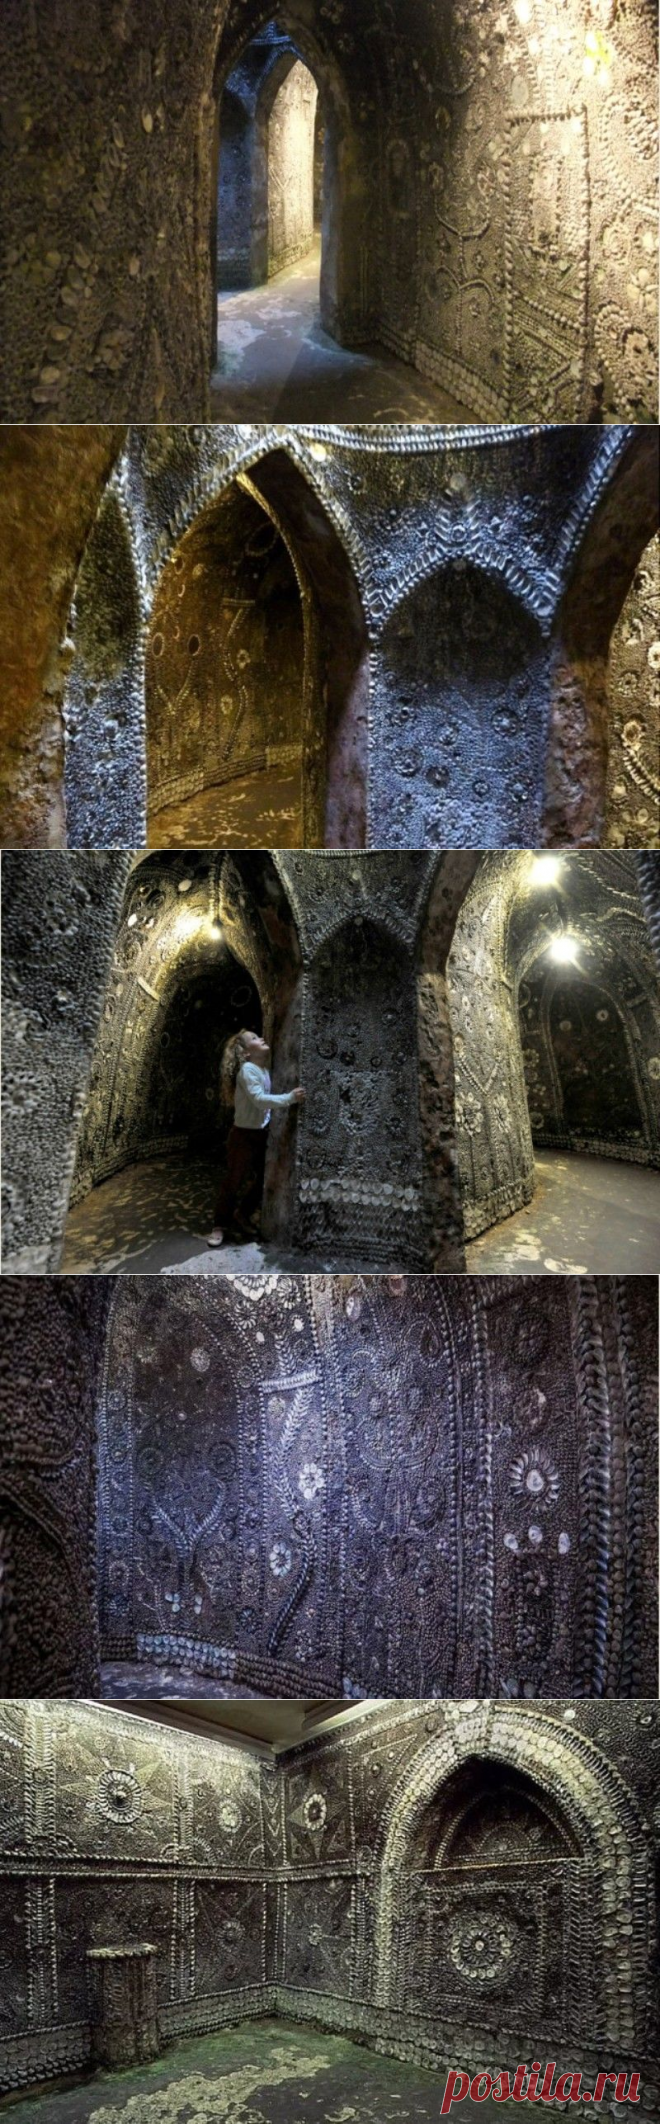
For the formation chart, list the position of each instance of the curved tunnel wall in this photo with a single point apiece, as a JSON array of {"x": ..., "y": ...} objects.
[
  {"x": 489, "y": 163},
  {"x": 509, "y": 1056}
]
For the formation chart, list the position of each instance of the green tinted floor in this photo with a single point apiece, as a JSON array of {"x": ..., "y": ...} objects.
[{"x": 266, "y": 2072}]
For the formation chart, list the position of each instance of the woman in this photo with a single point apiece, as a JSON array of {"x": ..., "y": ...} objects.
[{"x": 241, "y": 1187}]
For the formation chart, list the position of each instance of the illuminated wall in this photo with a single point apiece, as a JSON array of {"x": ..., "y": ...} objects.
[
  {"x": 332, "y": 1486},
  {"x": 514, "y": 1847},
  {"x": 492, "y": 194},
  {"x": 458, "y": 599}
]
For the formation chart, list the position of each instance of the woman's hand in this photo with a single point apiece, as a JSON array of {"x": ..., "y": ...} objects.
[{"x": 299, "y": 1096}]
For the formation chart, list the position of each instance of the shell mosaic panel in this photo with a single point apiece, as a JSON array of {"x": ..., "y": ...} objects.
[
  {"x": 322, "y": 1911},
  {"x": 380, "y": 1486}
]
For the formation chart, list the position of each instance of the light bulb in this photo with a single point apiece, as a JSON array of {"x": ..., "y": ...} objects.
[
  {"x": 546, "y": 869},
  {"x": 564, "y": 950}
]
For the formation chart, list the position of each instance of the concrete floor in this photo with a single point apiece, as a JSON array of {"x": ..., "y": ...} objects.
[
  {"x": 263, "y": 811},
  {"x": 262, "y": 2072},
  {"x": 276, "y": 363},
  {"x": 589, "y": 1216}
]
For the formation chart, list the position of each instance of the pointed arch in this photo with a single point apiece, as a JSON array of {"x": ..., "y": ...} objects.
[
  {"x": 603, "y": 1818},
  {"x": 317, "y": 665}
]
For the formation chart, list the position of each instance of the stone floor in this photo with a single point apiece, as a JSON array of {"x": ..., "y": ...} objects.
[
  {"x": 276, "y": 363},
  {"x": 589, "y": 1216},
  {"x": 263, "y": 811},
  {"x": 265, "y": 2072},
  {"x": 121, "y": 1679},
  {"x": 154, "y": 1218}
]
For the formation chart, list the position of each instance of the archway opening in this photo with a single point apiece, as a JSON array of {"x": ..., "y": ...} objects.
[
  {"x": 257, "y": 675},
  {"x": 225, "y": 682},
  {"x": 278, "y": 203},
  {"x": 579, "y": 1065},
  {"x": 205, "y": 948},
  {"x": 555, "y": 1011}
]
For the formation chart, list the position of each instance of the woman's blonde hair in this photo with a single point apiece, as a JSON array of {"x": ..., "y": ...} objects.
[{"x": 233, "y": 1056}]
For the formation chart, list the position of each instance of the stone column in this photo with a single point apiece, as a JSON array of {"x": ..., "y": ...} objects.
[{"x": 122, "y": 2000}]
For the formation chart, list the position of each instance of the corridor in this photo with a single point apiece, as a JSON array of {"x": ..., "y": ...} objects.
[{"x": 275, "y": 362}]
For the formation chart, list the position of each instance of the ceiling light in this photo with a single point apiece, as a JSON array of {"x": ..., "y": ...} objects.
[
  {"x": 545, "y": 870},
  {"x": 564, "y": 949}
]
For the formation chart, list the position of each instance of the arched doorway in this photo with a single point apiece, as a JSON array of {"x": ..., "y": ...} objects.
[
  {"x": 204, "y": 948},
  {"x": 279, "y": 191},
  {"x": 257, "y": 674},
  {"x": 580, "y": 1070},
  {"x": 225, "y": 683},
  {"x": 555, "y": 1013},
  {"x": 269, "y": 153}
]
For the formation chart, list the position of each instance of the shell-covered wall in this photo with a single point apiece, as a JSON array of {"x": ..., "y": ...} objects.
[
  {"x": 417, "y": 1108},
  {"x": 390, "y": 1486},
  {"x": 348, "y": 1485},
  {"x": 634, "y": 689},
  {"x": 535, "y": 1059},
  {"x": 493, "y": 209},
  {"x": 438, "y": 1879},
  {"x": 456, "y": 685}
]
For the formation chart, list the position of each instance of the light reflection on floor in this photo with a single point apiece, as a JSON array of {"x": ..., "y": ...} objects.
[
  {"x": 260, "y": 811},
  {"x": 589, "y": 1216},
  {"x": 275, "y": 362}
]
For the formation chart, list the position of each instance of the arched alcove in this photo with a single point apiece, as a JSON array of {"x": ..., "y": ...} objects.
[
  {"x": 581, "y": 1071},
  {"x": 461, "y": 689},
  {"x": 489, "y": 1814},
  {"x": 501, "y": 1924},
  {"x": 555, "y": 1012},
  {"x": 257, "y": 676}
]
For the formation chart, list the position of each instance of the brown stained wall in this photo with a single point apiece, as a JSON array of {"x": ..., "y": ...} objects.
[
  {"x": 585, "y": 710},
  {"x": 50, "y": 489},
  {"x": 59, "y": 916},
  {"x": 291, "y": 169},
  {"x": 633, "y": 685},
  {"x": 226, "y": 658}
]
